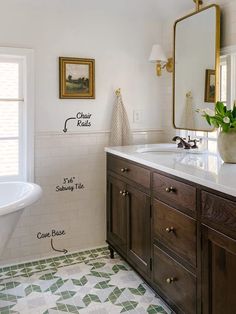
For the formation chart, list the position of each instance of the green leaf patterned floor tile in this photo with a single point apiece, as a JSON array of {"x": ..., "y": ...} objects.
[
  {"x": 115, "y": 295},
  {"x": 153, "y": 309},
  {"x": 102, "y": 285},
  {"x": 140, "y": 291},
  {"x": 128, "y": 306},
  {"x": 80, "y": 282},
  {"x": 66, "y": 295},
  {"x": 83, "y": 282},
  {"x": 117, "y": 268}
]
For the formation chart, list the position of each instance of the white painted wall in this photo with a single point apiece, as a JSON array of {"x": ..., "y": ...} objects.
[{"x": 119, "y": 36}]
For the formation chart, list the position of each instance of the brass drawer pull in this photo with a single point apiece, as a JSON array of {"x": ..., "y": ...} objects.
[
  {"x": 124, "y": 169},
  {"x": 170, "y": 189},
  {"x": 124, "y": 193},
  {"x": 170, "y": 280},
  {"x": 170, "y": 229}
]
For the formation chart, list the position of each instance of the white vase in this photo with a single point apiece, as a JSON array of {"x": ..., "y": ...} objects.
[{"x": 227, "y": 146}]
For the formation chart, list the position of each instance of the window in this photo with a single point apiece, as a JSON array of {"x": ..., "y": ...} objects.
[
  {"x": 227, "y": 95},
  {"x": 16, "y": 114},
  {"x": 223, "y": 80}
]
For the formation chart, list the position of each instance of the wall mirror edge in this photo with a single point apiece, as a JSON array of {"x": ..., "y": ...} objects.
[{"x": 217, "y": 13}]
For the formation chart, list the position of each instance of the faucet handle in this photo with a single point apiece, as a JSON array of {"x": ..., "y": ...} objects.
[{"x": 194, "y": 140}]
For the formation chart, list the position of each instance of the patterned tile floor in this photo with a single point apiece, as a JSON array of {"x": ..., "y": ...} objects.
[{"x": 87, "y": 282}]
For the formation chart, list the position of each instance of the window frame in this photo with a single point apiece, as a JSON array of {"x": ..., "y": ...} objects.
[
  {"x": 26, "y": 113},
  {"x": 228, "y": 56}
]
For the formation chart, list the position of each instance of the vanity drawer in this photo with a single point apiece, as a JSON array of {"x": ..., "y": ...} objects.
[
  {"x": 174, "y": 192},
  {"x": 175, "y": 230},
  {"x": 130, "y": 171},
  {"x": 219, "y": 213},
  {"x": 175, "y": 281}
]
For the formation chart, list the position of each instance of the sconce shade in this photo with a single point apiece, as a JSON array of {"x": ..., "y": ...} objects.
[{"x": 157, "y": 54}]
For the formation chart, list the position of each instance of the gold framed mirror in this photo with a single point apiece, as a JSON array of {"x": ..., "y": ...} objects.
[{"x": 196, "y": 67}]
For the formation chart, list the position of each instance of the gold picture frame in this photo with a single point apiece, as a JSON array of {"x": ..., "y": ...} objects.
[
  {"x": 77, "y": 78},
  {"x": 210, "y": 86}
]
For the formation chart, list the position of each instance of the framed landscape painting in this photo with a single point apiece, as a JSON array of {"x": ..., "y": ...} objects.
[
  {"x": 210, "y": 86},
  {"x": 77, "y": 78}
]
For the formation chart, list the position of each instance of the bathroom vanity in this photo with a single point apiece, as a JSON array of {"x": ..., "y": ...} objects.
[{"x": 172, "y": 217}]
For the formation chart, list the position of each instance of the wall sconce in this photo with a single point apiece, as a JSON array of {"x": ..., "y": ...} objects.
[{"x": 158, "y": 56}]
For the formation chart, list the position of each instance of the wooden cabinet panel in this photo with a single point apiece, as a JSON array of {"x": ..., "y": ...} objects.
[
  {"x": 219, "y": 213},
  {"x": 116, "y": 214},
  {"x": 175, "y": 230},
  {"x": 138, "y": 246},
  {"x": 174, "y": 192},
  {"x": 175, "y": 281},
  {"x": 219, "y": 273},
  {"x": 130, "y": 171},
  {"x": 176, "y": 236},
  {"x": 128, "y": 223}
]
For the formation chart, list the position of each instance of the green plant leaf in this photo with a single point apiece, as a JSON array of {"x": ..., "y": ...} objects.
[
  {"x": 234, "y": 112},
  {"x": 215, "y": 123},
  {"x": 233, "y": 124},
  {"x": 221, "y": 112},
  {"x": 220, "y": 108},
  {"x": 225, "y": 127},
  {"x": 208, "y": 119}
]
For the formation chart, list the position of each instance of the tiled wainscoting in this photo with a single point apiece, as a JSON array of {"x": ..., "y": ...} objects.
[
  {"x": 78, "y": 207},
  {"x": 85, "y": 282}
]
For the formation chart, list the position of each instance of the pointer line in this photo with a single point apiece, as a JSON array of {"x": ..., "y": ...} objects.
[{"x": 62, "y": 251}]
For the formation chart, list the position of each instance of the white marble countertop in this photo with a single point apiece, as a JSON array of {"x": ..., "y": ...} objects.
[{"x": 204, "y": 168}]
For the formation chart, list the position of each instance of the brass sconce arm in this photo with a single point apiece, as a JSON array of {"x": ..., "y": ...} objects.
[{"x": 168, "y": 65}]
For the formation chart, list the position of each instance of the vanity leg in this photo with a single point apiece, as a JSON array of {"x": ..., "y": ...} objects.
[{"x": 111, "y": 252}]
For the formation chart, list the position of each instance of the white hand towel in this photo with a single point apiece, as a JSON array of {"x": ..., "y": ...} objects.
[{"x": 120, "y": 128}]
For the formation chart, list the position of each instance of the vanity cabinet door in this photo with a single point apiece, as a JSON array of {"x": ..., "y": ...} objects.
[
  {"x": 218, "y": 272},
  {"x": 116, "y": 214},
  {"x": 138, "y": 239},
  {"x": 174, "y": 281}
]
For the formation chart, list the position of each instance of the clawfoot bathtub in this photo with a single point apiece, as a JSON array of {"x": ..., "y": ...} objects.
[{"x": 14, "y": 197}]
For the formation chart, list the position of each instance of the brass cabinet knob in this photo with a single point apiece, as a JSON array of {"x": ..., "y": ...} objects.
[
  {"x": 124, "y": 169},
  {"x": 170, "y": 189},
  {"x": 170, "y": 280},
  {"x": 170, "y": 229}
]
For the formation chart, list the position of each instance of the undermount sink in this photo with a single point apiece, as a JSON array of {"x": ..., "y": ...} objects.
[{"x": 169, "y": 148}]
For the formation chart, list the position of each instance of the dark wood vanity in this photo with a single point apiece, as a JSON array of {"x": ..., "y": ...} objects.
[{"x": 179, "y": 236}]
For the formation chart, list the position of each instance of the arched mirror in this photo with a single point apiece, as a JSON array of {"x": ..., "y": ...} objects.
[{"x": 196, "y": 66}]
